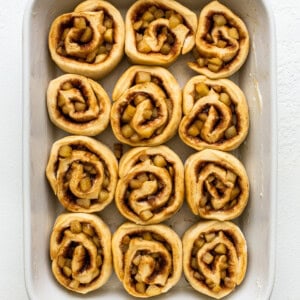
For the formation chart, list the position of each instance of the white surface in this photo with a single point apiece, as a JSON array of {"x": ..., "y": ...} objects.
[{"x": 11, "y": 208}]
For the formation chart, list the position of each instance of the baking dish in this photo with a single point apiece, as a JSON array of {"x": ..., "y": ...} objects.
[{"x": 258, "y": 153}]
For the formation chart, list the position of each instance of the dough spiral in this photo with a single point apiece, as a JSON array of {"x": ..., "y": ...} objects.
[
  {"x": 89, "y": 41},
  {"x": 151, "y": 185},
  {"x": 147, "y": 106},
  {"x": 214, "y": 257},
  {"x": 222, "y": 42},
  {"x": 215, "y": 114},
  {"x": 158, "y": 31},
  {"x": 82, "y": 173},
  {"x": 80, "y": 251},
  {"x": 217, "y": 185},
  {"x": 147, "y": 259},
  {"x": 78, "y": 105}
]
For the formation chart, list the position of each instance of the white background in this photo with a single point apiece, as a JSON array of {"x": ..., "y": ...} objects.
[{"x": 287, "y": 18}]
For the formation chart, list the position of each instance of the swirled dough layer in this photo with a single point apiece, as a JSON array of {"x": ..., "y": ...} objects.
[
  {"x": 147, "y": 259},
  {"x": 214, "y": 257},
  {"x": 158, "y": 31},
  {"x": 82, "y": 173},
  {"x": 147, "y": 106},
  {"x": 80, "y": 251},
  {"x": 151, "y": 188},
  {"x": 217, "y": 185},
  {"x": 89, "y": 41},
  {"x": 222, "y": 42},
  {"x": 215, "y": 114},
  {"x": 78, "y": 105}
]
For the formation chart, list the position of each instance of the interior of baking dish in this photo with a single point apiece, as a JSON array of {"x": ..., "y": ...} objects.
[{"x": 258, "y": 152}]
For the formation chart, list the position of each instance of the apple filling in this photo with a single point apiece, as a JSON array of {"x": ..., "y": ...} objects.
[
  {"x": 219, "y": 187},
  {"x": 222, "y": 34},
  {"x": 85, "y": 179},
  {"x": 210, "y": 116},
  {"x": 72, "y": 100},
  {"x": 149, "y": 269},
  {"x": 212, "y": 266},
  {"x": 150, "y": 192},
  {"x": 222, "y": 42},
  {"x": 79, "y": 41},
  {"x": 76, "y": 262},
  {"x": 148, "y": 22}
]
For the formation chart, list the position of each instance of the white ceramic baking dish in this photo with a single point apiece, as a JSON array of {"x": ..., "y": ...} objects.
[{"x": 258, "y": 153}]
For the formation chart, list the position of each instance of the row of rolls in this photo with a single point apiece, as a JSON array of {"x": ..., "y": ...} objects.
[
  {"x": 149, "y": 108},
  {"x": 149, "y": 183},
  {"x": 92, "y": 39},
  {"x": 147, "y": 259}
]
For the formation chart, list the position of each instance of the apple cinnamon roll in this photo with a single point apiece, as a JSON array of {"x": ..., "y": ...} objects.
[
  {"x": 215, "y": 114},
  {"x": 78, "y": 105},
  {"x": 217, "y": 185},
  {"x": 222, "y": 42},
  {"x": 158, "y": 31},
  {"x": 80, "y": 251},
  {"x": 151, "y": 185},
  {"x": 147, "y": 259},
  {"x": 82, "y": 173},
  {"x": 147, "y": 106},
  {"x": 214, "y": 257},
  {"x": 88, "y": 41}
]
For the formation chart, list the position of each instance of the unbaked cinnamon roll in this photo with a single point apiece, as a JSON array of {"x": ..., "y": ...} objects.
[
  {"x": 222, "y": 42},
  {"x": 151, "y": 185},
  {"x": 216, "y": 114},
  {"x": 147, "y": 259},
  {"x": 158, "y": 31},
  {"x": 147, "y": 106},
  {"x": 80, "y": 251},
  {"x": 82, "y": 173},
  {"x": 78, "y": 105},
  {"x": 217, "y": 185},
  {"x": 214, "y": 257},
  {"x": 88, "y": 41}
]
